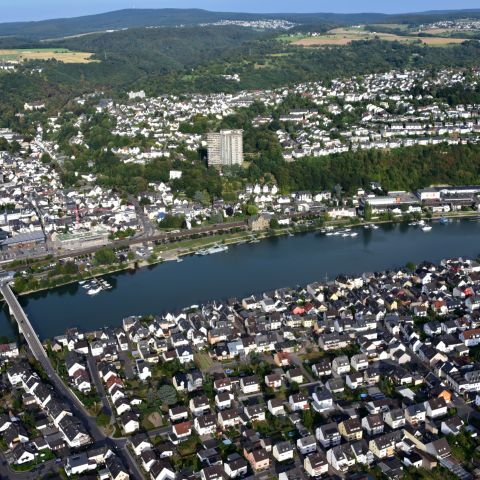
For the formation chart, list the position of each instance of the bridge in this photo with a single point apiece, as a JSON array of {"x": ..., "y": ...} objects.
[{"x": 77, "y": 408}]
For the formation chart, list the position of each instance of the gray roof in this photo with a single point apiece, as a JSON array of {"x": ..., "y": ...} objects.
[{"x": 36, "y": 236}]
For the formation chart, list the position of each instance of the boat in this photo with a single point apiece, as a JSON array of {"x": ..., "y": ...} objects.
[
  {"x": 179, "y": 260},
  {"x": 444, "y": 221},
  {"x": 375, "y": 227},
  {"x": 420, "y": 223},
  {"x": 217, "y": 249},
  {"x": 212, "y": 250},
  {"x": 426, "y": 228},
  {"x": 94, "y": 291},
  {"x": 329, "y": 234},
  {"x": 354, "y": 234},
  {"x": 81, "y": 282},
  {"x": 345, "y": 235}
]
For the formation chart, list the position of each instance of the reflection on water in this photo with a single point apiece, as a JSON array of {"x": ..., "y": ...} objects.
[{"x": 244, "y": 269}]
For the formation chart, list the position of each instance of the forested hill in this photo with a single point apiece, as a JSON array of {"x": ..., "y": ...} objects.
[{"x": 130, "y": 18}]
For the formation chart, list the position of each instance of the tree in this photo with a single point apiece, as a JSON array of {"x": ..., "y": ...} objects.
[
  {"x": 274, "y": 223},
  {"x": 202, "y": 197},
  {"x": 367, "y": 212},
  {"x": 251, "y": 210},
  {"x": 103, "y": 419},
  {"x": 46, "y": 158},
  {"x": 167, "y": 395},
  {"x": 411, "y": 266},
  {"x": 105, "y": 256},
  {"x": 172, "y": 222},
  {"x": 216, "y": 217}
]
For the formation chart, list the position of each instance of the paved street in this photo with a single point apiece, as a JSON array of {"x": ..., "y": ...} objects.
[
  {"x": 92, "y": 367},
  {"x": 162, "y": 237},
  {"x": 148, "y": 229},
  {"x": 78, "y": 409},
  {"x": 45, "y": 468}
]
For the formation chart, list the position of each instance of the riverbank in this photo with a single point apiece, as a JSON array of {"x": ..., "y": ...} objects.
[
  {"x": 174, "y": 251},
  {"x": 244, "y": 269}
]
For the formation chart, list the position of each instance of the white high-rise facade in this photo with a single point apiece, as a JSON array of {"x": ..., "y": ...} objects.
[{"x": 225, "y": 147}]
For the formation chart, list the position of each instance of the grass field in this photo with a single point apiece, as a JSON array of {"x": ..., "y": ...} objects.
[
  {"x": 203, "y": 361},
  {"x": 393, "y": 26},
  {"x": 60, "y": 54},
  {"x": 448, "y": 32},
  {"x": 345, "y": 36}
]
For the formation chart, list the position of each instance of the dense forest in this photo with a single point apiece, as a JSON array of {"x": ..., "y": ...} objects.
[
  {"x": 396, "y": 169},
  {"x": 131, "y": 18},
  {"x": 193, "y": 59}
]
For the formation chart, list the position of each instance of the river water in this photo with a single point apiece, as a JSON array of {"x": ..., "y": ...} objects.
[{"x": 244, "y": 269}]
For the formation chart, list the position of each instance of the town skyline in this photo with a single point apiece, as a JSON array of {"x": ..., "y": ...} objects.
[{"x": 29, "y": 10}]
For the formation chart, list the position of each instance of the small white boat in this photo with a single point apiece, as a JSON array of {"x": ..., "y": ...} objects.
[
  {"x": 426, "y": 228},
  {"x": 375, "y": 227},
  {"x": 329, "y": 234},
  {"x": 179, "y": 260},
  {"x": 353, "y": 234},
  {"x": 345, "y": 235},
  {"x": 94, "y": 291},
  {"x": 212, "y": 250}
]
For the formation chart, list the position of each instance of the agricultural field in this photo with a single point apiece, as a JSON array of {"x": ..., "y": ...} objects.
[
  {"x": 345, "y": 36},
  {"x": 450, "y": 32},
  {"x": 392, "y": 26},
  {"x": 61, "y": 54}
]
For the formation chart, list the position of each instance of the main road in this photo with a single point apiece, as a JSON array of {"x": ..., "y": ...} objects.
[
  {"x": 78, "y": 410},
  {"x": 171, "y": 236}
]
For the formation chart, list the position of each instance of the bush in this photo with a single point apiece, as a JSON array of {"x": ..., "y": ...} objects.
[{"x": 103, "y": 419}]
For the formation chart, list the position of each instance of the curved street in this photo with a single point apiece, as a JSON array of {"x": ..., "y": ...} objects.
[{"x": 78, "y": 410}]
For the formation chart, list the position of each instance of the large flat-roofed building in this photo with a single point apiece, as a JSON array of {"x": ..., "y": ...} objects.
[
  {"x": 80, "y": 239},
  {"x": 24, "y": 241},
  {"x": 225, "y": 147}
]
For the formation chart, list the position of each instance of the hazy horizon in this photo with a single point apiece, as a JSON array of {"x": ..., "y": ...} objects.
[{"x": 30, "y": 10}]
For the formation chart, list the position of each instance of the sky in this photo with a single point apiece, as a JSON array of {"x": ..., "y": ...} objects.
[{"x": 23, "y": 10}]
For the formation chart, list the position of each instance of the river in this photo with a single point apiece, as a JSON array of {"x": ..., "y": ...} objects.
[{"x": 244, "y": 269}]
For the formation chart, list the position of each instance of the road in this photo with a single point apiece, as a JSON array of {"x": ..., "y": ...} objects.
[
  {"x": 92, "y": 367},
  {"x": 77, "y": 408},
  {"x": 49, "y": 467},
  {"x": 146, "y": 224},
  {"x": 160, "y": 237}
]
